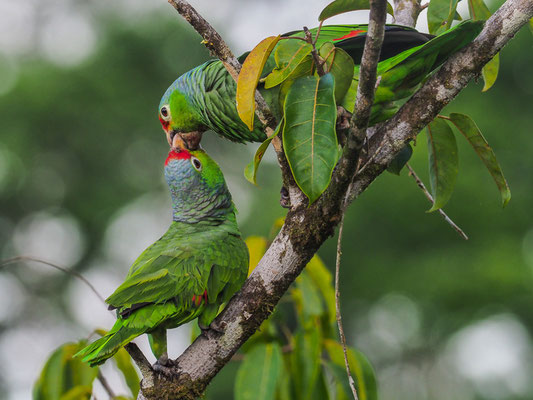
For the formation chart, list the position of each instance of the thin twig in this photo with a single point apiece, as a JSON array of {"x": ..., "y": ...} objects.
[
  {"x": 65, "y": 270},
  {"x": 338, "y": 309},
  {"x": 430, "y": 198},
  {"x": 106, "y": 386},
  {"x": 142, "y": 362},
  {"x": 318, "y": 62}
]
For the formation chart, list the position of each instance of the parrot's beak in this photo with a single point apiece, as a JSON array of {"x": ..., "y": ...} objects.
[
  {"x": 170, "y": 136},
  {"x": 177, "y": 143}
]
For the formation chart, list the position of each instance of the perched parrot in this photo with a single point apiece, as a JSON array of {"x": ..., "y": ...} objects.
[
  {"x": 196, "y": 266},
  {"x": 204, "y": 97}
]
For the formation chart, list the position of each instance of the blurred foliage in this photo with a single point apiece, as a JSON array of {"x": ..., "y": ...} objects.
[{"x": 86, "y": 141}]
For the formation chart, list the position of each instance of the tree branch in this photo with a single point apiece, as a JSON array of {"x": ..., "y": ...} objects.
[
  {"x": 305, "y": 229},
  {"x": 406, "y": 12},
  {"x": 428, "y": 195}
]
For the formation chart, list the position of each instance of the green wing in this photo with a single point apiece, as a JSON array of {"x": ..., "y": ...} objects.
[{"x": 173, "y": 270}]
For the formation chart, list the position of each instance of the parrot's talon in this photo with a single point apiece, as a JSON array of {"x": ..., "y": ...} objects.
[
  {"x": 285, "y": 200},
  {"x": 218, "y": 327}
]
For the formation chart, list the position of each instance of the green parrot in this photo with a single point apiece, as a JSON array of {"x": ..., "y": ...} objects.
[
  {"x": 196, "y": 266},
  {"x": 204, "y": 97}
]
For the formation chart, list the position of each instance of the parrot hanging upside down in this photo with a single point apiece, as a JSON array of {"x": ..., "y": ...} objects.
[
  {"x": 204, "y": 98},
  {"x": 196, "y": 266}
]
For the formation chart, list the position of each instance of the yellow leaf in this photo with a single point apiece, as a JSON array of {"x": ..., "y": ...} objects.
[
  {"x": 490, "y": 72},
  {"x": 257, "y": 246},
  {"x": 249, "y": 77}
]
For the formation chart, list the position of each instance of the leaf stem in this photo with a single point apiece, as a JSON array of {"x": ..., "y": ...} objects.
[
  {"x": 65, "y": 270},
  {"x": 105, "y": 384},
  {"x": 338, "y": 309},
  {"x": 430, "y": 198}
]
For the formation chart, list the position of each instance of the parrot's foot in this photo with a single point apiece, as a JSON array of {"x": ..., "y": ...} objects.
[
  {"x": 285, "y": 200},
  {"x": 213, "y": 326},
  {"x": 164, "y": 365}
]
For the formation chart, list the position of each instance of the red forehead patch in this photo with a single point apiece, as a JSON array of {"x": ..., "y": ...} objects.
[
  {"x": 178, "y": 155},
  {"x": 349, "y": 35}
]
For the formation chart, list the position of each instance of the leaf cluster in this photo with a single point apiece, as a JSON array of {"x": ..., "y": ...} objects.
[{"x": 64, "y": 377}]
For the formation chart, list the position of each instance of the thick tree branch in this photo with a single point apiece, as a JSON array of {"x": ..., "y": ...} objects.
[
  {"x": 406, "y": 12},
  {"x": 365, "y": 94},
  {"x": 305, "y": 229}
]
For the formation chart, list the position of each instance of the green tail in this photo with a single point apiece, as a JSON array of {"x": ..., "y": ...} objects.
[
  {"x": 401, "y": 75},
  {"x": 106, "y": 347}
]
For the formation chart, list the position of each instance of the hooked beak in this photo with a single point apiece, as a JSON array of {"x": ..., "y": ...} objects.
[
  {"x": 170, "y": 135},
  {"x": 177, "y": 143},
  {"x": 187, "y": 140}
]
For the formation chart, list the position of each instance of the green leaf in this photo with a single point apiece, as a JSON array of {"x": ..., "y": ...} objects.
[
  {"x": 292, "y": 59},
  {"x": 398, "y": 162},
  {"x": 323, "y": 279},
  {"x": 478, "y": 10},
  {"x": 339, "y": 64},
  {"x": 365, "y": 378},
  {"x": 471, "y": 132},
  {"x": 77, "y": 393},
  {"x": 490, "y": 72},
  {"x": 250, "y": 171},
  {"x": 125, "y": 366},
  {"x": 531, "y": 25},
  {"x": 259, "y": 374},
  {"x": 342, "y": 6},
  {"x": 63, "y": 376},
  {"x": 441, "y": 13},
  {"x": 305, "y": 359},
  {"x": 443, "y": 162},
  {"x": 309, "y": 137},
  {"x": 257, "y": 246},
  {"x": 249, "y": 77},
  {"x": 307, "y": 297}
]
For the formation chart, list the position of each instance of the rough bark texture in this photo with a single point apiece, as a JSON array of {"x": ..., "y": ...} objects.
[
  {"x": 406, "y": 12},
  {"x": 306, "y": 229}
]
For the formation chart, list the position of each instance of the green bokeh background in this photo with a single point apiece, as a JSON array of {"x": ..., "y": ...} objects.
[{"x": 411, "y": 287}]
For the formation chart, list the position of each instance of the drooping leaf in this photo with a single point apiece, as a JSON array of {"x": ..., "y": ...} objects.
[
  {"x": 360, "y": 367},
  {"x": 402, "y": 158},
  {"x": 443, "y": 162},
  {"x": 342, "y": 6},
  {"x": 259, "y": 374},
  {"x": 125, "y": 366},
  {"x": 490, "y": 72},
  {"x": 307, "y": 297},
  {"x": 441, "y": 13},
  {"x": 471, "y": 132},
  {"x": 257, "y": 246},
  {"x": 250, "y": 171},
  {"x": 309, "y": 137},
  {"x": 339, "y": 64},
  {"x": 78, "y": 393},
  {"x": 292, "y": 60},
  {"x": 322, "y": 279},
  {"x": 478, "y": 10},
  {"x": 249, "y": 77},
  {"x": 305, "y": 358},
  {"x": 64, "y": 375}
]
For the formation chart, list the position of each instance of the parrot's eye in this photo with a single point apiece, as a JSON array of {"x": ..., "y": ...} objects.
[
  {"x": 165, "y": 113},
  {"x": 196, "y": 164}
]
